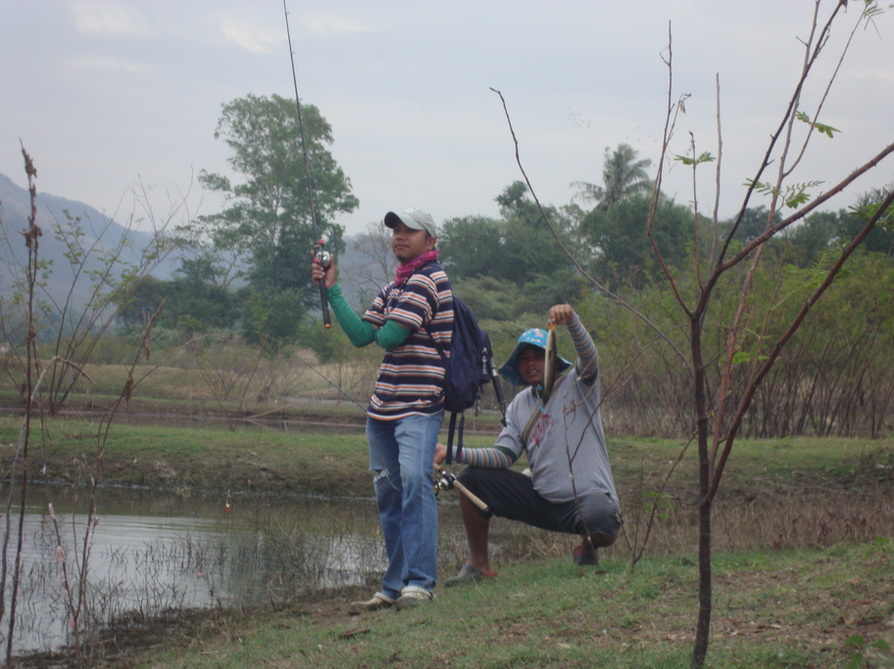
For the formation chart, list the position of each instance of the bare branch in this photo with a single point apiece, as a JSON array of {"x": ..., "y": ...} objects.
[
  {"x": 753, "y": 384},
  {"x": 574, "y": 260},
  {"x": 804, "y": 211},
  {"x": 670, "y": 121}
]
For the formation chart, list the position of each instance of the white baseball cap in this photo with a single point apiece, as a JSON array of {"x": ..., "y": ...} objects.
[{"x": 415, "y": 219}]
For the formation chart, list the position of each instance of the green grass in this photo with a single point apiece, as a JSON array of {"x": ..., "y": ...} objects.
[
  {"x": 770, "y": 463},
  {"x": 551, "y": 614},
  {"x": 210, "y": 458},
  {"x": 218, "y": 457}
]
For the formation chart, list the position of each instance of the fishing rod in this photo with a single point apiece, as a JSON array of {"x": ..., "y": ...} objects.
[
  {"x": 448, "y": 481},
  {"x": 321, "y": 255}
]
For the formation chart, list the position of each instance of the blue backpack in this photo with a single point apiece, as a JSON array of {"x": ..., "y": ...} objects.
[{"x": 469, "y": 365}]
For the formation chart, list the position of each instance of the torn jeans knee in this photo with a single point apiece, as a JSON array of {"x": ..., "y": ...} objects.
[{"x": 382, "y": 478}]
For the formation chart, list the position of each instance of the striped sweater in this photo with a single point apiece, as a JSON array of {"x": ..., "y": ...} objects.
[{"x": 411, "y": 376}]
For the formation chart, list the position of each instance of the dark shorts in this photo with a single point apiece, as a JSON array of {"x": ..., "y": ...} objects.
[{"x": 510, "y": 494}]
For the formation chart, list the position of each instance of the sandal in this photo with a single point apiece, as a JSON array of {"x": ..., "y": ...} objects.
[
  {"x": 469, "y": 574},
  {"x": 584, "y": 559}
]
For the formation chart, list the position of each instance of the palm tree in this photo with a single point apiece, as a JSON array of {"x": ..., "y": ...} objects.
[{"x": 622, "y": 176}]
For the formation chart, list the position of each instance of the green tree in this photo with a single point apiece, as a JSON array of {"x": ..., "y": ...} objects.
[
  {"x": 619, "y": 235},
  {"x": 488, "y": 297},
  {"x": 471, "y": 247},
  {"x": 751, "y": 224},
  {"x": 512, "y": 248},
  {"x": 881, "y": 239},
  {"x": 623, "y": 176},
  {"x": 192, "y": 302},
  {"x": 147, "y": 295},
  {"x": 807, "y": 242},
  {"x": 268, "y": 222},
  {"x": 272, "y": 319},
  {"x": 822, "y": 231},
  {"x": 513, "y": 264},
  {"x": 529, "y": 247},
  {"x": 197, "y": 303}
]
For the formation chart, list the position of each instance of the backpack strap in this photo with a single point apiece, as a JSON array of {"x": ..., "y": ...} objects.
[
  {"x": 451, "y": 430},
  {"x": 446, "y": 361}
]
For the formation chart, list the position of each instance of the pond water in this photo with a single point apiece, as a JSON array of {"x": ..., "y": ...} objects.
[{"x": 148, "y": 552}]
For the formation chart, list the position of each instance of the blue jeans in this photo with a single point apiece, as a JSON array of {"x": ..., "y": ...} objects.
[{"x": 401, "y": 453}]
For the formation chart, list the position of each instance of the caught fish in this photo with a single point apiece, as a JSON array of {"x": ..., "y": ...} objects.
[{"x": 551, "y": 364}]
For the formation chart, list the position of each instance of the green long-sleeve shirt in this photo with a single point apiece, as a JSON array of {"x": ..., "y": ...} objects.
[{"x": 361, "y": 332}]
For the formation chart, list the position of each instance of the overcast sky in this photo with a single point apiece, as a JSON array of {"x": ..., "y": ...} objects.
[{"x": 108, "y": 94}]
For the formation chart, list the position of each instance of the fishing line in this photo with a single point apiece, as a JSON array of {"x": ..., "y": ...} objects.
[
  {"x": 431, "y": 121},
  {"x": 330, "y": 382},
  {"x": 320, "y": 255}
]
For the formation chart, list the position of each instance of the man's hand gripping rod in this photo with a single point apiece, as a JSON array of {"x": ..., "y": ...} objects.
[{"x": 448, "y": 481}]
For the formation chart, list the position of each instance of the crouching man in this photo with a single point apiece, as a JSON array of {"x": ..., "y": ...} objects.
[{"x": 570, "y": 488}]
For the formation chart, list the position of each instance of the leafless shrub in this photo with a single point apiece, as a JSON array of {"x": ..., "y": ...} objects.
[{"x": 46, "y": 384}]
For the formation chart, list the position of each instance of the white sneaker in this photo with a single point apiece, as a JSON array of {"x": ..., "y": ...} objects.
[
  {"x": 413, "y": 596},
  {"x": 377, "y": 602}
]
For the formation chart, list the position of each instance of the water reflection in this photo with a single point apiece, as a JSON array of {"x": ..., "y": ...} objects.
[{"x": 150, "y": 552}]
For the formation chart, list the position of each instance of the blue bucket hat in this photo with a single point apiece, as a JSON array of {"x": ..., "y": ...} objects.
[{"x": 533, "y": 337}]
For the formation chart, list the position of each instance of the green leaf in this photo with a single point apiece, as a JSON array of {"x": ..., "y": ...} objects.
[
  {"x": 822, "y": 128},
  {"x": 705, "y": 157},
  {"x": 825, "y": 129},
  {"x": 741, "y": 356}
]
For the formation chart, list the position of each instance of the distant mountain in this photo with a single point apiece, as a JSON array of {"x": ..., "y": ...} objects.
[
  {"x": 364, "y": 268},
  {"x": 100, "y": 234}
]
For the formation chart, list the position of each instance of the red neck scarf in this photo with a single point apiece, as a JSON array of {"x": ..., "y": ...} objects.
[{"x": 406, "y": 270}]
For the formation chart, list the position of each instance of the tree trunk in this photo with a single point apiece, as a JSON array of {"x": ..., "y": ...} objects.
[
  {"x": 705, "y": 474},
  {"x": 703, "y": 627}
]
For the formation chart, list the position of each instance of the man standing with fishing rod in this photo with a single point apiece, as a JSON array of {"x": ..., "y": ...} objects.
[
  {"x": 556, "y": 421},
  {"x": 410, "y": 318}
]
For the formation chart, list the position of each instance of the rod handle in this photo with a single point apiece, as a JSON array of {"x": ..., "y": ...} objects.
[
  {"x": 324, "y": 305},
  {"x": 321, "y": 256},
  {"x": 477, "y": 501}
]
